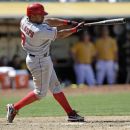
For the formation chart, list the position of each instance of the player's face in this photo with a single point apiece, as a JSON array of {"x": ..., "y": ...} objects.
[
  {"x": 37, "y": 19},
  {"x": 40, "y": 19}
]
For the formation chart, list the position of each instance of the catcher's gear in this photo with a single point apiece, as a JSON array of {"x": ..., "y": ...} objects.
[
  {"x": 74, "y": 117},
  {"x": 11, "y": 113},
  {"x": 36, "y": 9}
]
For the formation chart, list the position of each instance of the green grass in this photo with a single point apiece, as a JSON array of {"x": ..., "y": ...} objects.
[{"x": 90, "y": 104}]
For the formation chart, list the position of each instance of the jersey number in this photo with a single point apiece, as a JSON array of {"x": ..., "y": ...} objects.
[{"x": 23, "y": 38}]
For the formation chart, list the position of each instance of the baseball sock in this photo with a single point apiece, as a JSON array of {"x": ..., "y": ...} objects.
[
  {"x": 31, "y": 97},
  {"x": 60, "y": 97}
]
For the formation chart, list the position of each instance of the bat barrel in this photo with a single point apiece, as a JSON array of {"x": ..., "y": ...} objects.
[
  {"x": 108, "y": 22},
  {"x": 115, "y": 21},
  {"x": 123, "y": 20}
]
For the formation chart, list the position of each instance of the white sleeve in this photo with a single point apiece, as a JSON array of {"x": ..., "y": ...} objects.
[{"x": 47, "y": 32}]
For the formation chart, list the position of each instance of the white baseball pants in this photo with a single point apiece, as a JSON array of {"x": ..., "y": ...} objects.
[
  {"x": 84, "y": 73},
  {"x": 44, "y": 75},
  {"x": 105, "y": 69}
]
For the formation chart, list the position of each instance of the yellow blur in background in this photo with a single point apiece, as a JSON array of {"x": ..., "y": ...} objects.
[{"x": 18, "y": 9}]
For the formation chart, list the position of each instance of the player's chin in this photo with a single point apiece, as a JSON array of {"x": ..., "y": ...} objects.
[{"x": 40, "y": 22}]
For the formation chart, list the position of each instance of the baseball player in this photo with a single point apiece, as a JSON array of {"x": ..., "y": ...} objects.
[
  {"x": 106, "y": 47},
  {"x": 83, "y": 54},
  {"x": 37, "y": 35}
]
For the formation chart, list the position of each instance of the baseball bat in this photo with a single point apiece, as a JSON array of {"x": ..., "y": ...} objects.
[{"x": 107, "y": 22}]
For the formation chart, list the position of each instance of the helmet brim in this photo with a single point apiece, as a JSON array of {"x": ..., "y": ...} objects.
[{"x": 45, "y": 13}]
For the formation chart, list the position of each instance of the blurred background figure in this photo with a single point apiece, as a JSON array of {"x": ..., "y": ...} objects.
[
  {"x": 120, "y": 34},
  {"x": 106, "y": 65},
  {"x": 83, "y": 53},
  {"x": 127, "y": 55}
]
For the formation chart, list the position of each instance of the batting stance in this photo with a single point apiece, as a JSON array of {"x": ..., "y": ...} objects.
[{"x": 37, "y": 35}]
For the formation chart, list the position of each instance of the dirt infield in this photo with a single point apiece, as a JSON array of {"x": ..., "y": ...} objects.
[{"x": 60, "y": 123}]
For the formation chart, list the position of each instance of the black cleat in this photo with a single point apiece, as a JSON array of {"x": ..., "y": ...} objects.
[
  {"x": 11, "y": 113},
  {"x": 74, "y": 117}
]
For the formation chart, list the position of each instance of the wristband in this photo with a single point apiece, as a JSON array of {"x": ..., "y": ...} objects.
[
  {"x": 74, "y": 30},
  {"x": 65, "y": 22}
]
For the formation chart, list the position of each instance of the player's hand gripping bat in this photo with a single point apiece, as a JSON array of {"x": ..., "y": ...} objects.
[{"x": 107, "y": 22}]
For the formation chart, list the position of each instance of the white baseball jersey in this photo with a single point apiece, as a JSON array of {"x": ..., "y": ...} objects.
[{"x": 36, "y": 38}]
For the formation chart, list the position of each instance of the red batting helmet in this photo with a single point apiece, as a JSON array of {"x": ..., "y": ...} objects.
[{"x": 35, "y": 9}]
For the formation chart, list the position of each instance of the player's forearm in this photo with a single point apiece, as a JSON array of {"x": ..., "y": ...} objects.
[
  {"x": 65, "y": 33},
  {"x": 59, "y": 22},
  {"x": 55, "y": 21}
]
